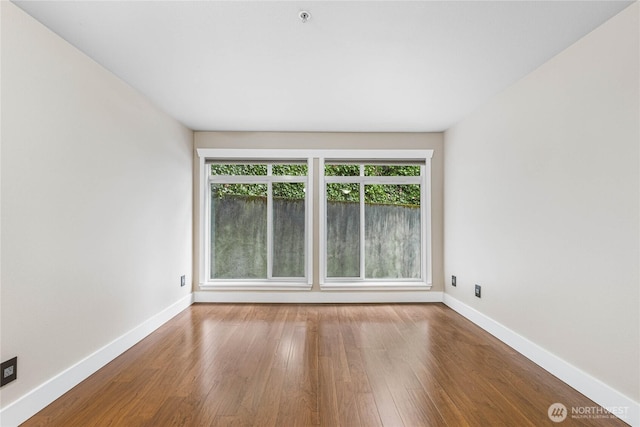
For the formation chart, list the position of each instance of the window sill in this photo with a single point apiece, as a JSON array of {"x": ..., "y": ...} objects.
[
  {"x": 373, "y": 286},
  {"x": 254, "y": 286}
]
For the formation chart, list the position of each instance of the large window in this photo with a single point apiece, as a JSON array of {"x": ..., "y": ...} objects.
[
  {"x": 257, "y": 222},
  {"x": 373, "y": 219}
]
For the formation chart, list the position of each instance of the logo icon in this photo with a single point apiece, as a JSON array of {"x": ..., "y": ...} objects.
[{"x": 557, "y": 412}]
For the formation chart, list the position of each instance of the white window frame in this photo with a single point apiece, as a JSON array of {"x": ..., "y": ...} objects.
[
  {"x": 254, "y": 157},
  {"x": 308, "y": 156},
  {"x": 421, "y": 157}
]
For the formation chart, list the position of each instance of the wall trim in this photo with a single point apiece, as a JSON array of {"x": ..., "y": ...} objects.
[
  {"x": 601, "y": 393},
  {"x": 35, "y": 400},
  {"x": 323, "y": 297}
]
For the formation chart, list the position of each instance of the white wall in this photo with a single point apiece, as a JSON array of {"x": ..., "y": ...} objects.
[
  {"x": 339, "y": 140},
  {"x": 96, "y": 205},
  {"x": 542, "y": 206}
]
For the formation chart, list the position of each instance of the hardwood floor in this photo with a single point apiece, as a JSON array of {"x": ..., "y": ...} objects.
[{"x": 305, "y": 365}]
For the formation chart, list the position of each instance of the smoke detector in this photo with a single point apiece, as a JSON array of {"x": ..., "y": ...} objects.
[{"x": 304, "y": 16}]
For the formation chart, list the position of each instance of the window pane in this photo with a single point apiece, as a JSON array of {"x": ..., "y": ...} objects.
[
  {"x": 248, "y": 190},
  {"x": 238, "y": 231},
  {"x": 392, "y": 232},
  {"x": 233, "y": 169},
  {"x": 342, "y": 170},
  {"x": 289, "y": 190},
  {"x": 405, "y": 194},
  {"x": 290, "y": 169},
  {"x": 391, "y": 170},
  {"x": 343, "y": 231},
  {"x": 343, "y": 192},
  {"x": 288, "y": 229}
]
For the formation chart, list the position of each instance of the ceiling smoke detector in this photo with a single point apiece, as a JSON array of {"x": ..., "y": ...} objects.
[{"x": 304, "y": 16}]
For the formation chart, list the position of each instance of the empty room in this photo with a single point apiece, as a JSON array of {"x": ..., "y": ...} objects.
[{"x": 335, "y": 213}]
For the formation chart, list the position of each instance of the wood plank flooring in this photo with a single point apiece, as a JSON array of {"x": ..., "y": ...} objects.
[{"x": 317, "y": 365}]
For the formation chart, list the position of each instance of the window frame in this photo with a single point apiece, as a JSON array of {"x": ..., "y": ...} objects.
[
  {"x": 417, "y": 157},
  {"x": 250, "y": 156},
  {"x": 316, "y": 179}
]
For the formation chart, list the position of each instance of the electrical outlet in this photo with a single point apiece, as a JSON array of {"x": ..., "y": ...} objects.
[
  {"x": 478, "y": 291},
  {"x": 9, "y": 370},
  {"x": 453, "y": 280},
  {"x": 183, "y": 281}
]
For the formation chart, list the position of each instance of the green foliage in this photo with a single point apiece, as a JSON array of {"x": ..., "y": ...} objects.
[
  {"x": 342, "y": 170},
  {"x": 371, "y": 170},
  {"x": 289, "y": 170},
  {"x": 220, "y": 191},
  {"x": 258, "y": 169},
  {"x": 391, "y": 170},
  {"x": 289, "y": 190},
  {"x": 407, "y": 194},
  {"x": 343, "y": 192},
  {"x": 233, "y": 169}
]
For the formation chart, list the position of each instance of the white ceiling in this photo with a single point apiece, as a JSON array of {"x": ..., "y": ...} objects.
[{"x": 354, "y": 66}]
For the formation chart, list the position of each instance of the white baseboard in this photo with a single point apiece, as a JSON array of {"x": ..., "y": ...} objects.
[
  {"x": 28, "y": 405},
  {"x": 323, "y": 297},
  {"x": 594, "y": 389}
]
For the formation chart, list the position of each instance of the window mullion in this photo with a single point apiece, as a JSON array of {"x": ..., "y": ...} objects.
[
  {"x": 308, "y": 223},
  {"x": 322, "y": 223},
  {"x": 362, "y": 219},
  {"x": 238, "y": 179},
  {"x": 269, "y": 225},
  {"x": 393, "y": 180}
]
